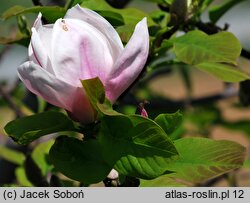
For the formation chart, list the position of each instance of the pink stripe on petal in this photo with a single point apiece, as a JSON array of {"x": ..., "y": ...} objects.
[
  {"x": 130, "y": 63},
  {"x": 79, "y": 51},
  {"x": 101, "y": 24}
]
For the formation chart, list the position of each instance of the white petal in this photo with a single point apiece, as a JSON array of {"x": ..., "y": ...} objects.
[
  {"x": 46, "y": 85},
  {"x": 79, "y": 51},
  {"x": 44, "y": 32},
  {"x": 56, "y": 92},
  {"x": 100, "y": 24},
  {"x": 39, "y": 49}
]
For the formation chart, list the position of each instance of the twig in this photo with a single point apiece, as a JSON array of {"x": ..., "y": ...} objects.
[{"x": 11, "y": 103}]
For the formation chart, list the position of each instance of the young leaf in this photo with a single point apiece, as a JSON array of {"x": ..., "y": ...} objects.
[
  {"x": 216, "y": 12},
  {"x": 225, "y": 72},
  {"x": 196, "y": 47},
  {"x": 202, "y": 159},
  {"x": 95, "y": 90},
  {"x": 27, "y": 129},
  {"x": 96, "y": 94},
  {"x": 79, "y": 160}
]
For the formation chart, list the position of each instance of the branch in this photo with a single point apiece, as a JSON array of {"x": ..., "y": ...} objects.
[{"x": 170, "y": 105}]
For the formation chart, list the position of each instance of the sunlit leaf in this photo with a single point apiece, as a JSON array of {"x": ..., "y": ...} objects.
[
  {"x": 225, "y": 72},
  {"x": 196, "y": 47},
  {"x": 202, "y": 159}
]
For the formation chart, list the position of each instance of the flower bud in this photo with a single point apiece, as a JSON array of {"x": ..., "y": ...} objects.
[{"x": 82, "y": 45}]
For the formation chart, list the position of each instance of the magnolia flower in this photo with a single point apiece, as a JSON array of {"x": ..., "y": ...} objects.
[{"x": 81, "y": 46}]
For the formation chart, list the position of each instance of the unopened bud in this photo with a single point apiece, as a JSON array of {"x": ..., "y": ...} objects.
[{"x": 141, "y": 110}]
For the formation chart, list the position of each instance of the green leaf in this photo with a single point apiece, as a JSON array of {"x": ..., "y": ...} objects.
[
  {"x": 196, "y": 47},
  {"x": 51, "y": 13},
  {"x": 39, "y": 155},
  {"x": 100, "y": 5},
  {"x": 162, "y": 181},
  {"x": 143, "y": 146},
  {"x": 11, "y": 155},
  {"x": 225, "y": 72},
  {"x": 96, "y": 94},
  {"x": 79, "y": 160},
  {"x": 169, "y": 122},
  {"x": 160, "y": 17},
  {"x": 142, "y": 149},
  {"x": 71, "y": 3},
  {"x": 114, "y": 18},
  {"x": 95, "y": 90},
  {"x": 216, "y": 12},
  {"x": 27, "y": 129},
  {"x": 202, "y": 159}
]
